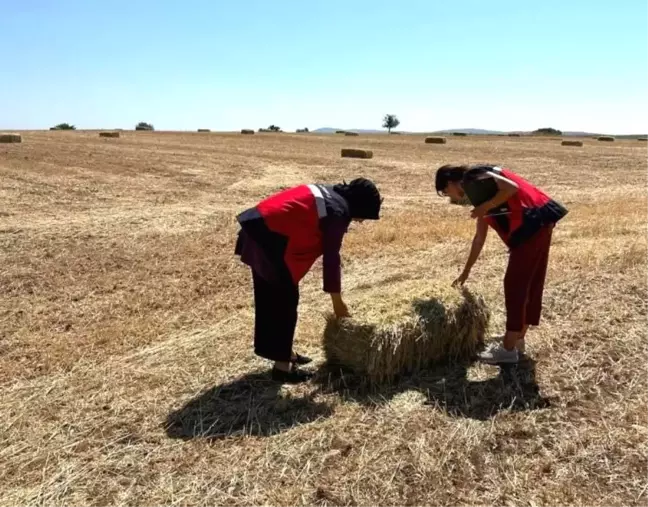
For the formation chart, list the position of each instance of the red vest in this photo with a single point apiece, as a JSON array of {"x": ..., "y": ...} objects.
[
  {"x": 524, "y": 213},
  {"x": 295, "y": 214}
]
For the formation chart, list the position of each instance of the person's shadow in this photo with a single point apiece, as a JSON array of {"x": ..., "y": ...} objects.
[{"x": 249, "y": 405}]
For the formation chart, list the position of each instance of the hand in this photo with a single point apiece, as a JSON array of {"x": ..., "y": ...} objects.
[
  {"x": 480, "y": 211},
  {"x": 461, "y": 279},
  {"x": 340, "y": 309}
]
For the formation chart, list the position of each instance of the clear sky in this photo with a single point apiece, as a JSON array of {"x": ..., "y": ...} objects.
[{"x": 227, "y": 65}]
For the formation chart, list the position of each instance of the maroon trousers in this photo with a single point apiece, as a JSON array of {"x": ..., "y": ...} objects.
[{"x": 524, "y": 281}]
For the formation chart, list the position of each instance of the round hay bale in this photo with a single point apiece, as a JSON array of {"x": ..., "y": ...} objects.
[
  {"x": 608, "y": 139},
  {"x": 10, "y": 138},
  {"x": 247, "y": 131},
  {"x": 572, "y": 143},
  {"x": 108, "y": 134},
  {"x": 413, "y": 325},
  {"x": 355, "y": 153},
  {"x": 435, "y": 140},
  {"x": 204, "y": 130},
  {"x": 351, "y": 134},
  {"x": 461, "y": 134}
]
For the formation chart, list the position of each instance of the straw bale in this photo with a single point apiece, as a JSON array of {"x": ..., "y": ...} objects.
[
  {"x": 409, "y": 327},
  {"x": 108, "y": 134},
  {"x": 356, "y": 153},
  {"x": 435, "y": 140},
  {"x": 572, "y": 143},
  {"x": 10, "y": 138}
]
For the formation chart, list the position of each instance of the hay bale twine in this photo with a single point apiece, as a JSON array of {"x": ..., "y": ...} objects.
[
  {"x": 108, "y": 134},
  {"x": 356, "y": 153},
  {"x": 608, "y": 139},
  {"x": 572, "y": 143},
  {"x": 204, "y": 130},
  {"x": 415, "y": 324},
  {"x": 247, "y": 131},
  {"x": 351, "y": 134},
  {"x": 10, "y": 138},
  {"x": 435, "y": 140}
]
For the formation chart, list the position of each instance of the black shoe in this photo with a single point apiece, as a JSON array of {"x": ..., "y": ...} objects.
[
  {"x": 301, "y": 359},
  {"x": 293, "y": 376}
]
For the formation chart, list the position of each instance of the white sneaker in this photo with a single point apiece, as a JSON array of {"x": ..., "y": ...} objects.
[{"x": 497, "y": 354}]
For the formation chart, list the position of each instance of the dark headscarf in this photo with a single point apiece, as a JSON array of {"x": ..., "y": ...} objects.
[{"x": 363, "y": 198}]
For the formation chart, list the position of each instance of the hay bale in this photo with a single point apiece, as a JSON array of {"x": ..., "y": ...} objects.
[
  {"x": 340, "y": 131},
  {"x": 513, "y": 135},
  {"x": 460, "y": 134},
  {"x": 642, "y": 139},
  {"x": 435, "y": 140},
  {"x": 608, "y": 139},
  {"x": 108, "y": 134},
  {"x": 204, "y": 130},
  {"x": 572, "y": 143},
  {"x": 413, "y": 325},
  {"x": 351, "y": 134},
  {"x": 247, "y": 131},
  {"x": 355, "y": 153},
  {"x": 10, "y": 138}
]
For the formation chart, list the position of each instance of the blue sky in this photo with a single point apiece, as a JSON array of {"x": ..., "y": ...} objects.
[{"x": 226, "y": 65}]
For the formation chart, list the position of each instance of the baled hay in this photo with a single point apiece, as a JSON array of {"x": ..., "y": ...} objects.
[
  {"x": 340, "y": 131},
  {"x": 351, "y": 134},
  {"x": 608, "y": 139},
  {"x": 10, "y": 138},
  {"x": 247, "y": 131},
  {"x": 461, "y": 134},
  {"x": 108, "y": 134},
  {"x": 435, "y": 140},
  {"x": 204, "y": 130},
  {"x": 355, "y": 153},
  {"x": 513, "y": 135},
  {"x": 572, "y": 143},
  {"x": 405, "y": 328},
  {"x": 642, "y": 139}
]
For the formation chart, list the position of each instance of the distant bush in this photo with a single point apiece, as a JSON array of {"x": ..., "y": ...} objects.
[
  {"x": 64, "y": 126},
  {"x": 274, "y": 128},
  {"x": 144, "y": 126},
  {"x": 547, "y": 131}
]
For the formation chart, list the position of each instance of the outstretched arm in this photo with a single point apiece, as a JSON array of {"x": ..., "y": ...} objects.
[{"x": 481, "y": 231}]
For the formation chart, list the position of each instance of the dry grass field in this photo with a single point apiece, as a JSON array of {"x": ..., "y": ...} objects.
[{"x": 126, "y": 369}]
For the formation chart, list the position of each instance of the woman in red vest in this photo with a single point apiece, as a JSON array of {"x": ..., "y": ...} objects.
[
  {"x": 280, "y": 239},
  {"x": 524, "y": 217}
]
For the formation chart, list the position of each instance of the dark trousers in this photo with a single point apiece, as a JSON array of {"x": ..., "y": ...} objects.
[
  {"x": 524, "y": 280},
  {"x": 275, "y": 305}
]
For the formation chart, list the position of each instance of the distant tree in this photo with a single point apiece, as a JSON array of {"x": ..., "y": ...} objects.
[
  {"x": 547, "y": 131},
  {"x": 64, "y": 126},
  {"x": 390, "y": 121},
  {"x": 144, "y": 126},
  {"x": 274, "y": 128}
]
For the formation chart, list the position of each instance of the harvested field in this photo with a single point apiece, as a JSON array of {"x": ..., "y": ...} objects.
[{"x": 126, "y": 368}]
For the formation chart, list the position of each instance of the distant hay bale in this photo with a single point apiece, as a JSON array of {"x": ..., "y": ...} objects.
[
  {"x": 10, "y": 138},
  {"x": 608, "y": 139},
  {"x": 642, "y": 139},
  {"x": 513, "y": 134},
  {"x": 435, "y": 140},
  {"x": 461, "y": 134},
  {"x": 247, "y": 131},
  {"x": 572, "y": 143},
  {"x": 351, "y": 134},
  {"x": 413, "y": 325},
  {"x": 340, "y": 131},
  {"x": 204, "y": 130},
  {"x": 355, "y": 153},
  {"x": 108, "y": 134}
]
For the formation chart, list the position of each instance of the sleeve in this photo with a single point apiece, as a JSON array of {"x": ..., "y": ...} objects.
[{"x": 333, "y": 232}]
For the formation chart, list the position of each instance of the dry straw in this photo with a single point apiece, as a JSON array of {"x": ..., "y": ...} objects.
[
  {"x": 572, "y": 143},
  {"x": 356, "y": 153},
  {"x": 421, "y": 322},
  {"x": 108, "y": 134},
  {"x": 435, "y": 140},
  {"x": 10, "y": 138}
]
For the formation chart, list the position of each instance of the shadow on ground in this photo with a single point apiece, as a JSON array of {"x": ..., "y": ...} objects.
[
  {"x": 249, "y": 405},
  {"x": 447, "y": 387}
]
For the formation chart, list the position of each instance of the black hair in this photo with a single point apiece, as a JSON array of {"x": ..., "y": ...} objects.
[
  {"x": 447, "y": 173},
  {"x": 363, "y": 198}
]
